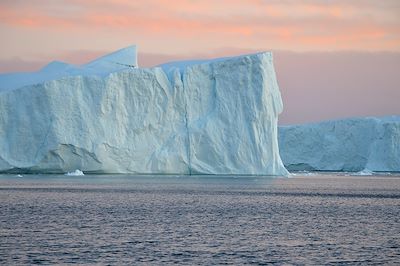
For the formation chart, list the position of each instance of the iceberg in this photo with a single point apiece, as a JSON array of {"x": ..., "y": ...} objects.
[
  {"x": 109, "y": 116},
  {"x": 77, "y": 172},
  {"x": 363, "y": 145},
  {"x": 363, "y": 173}
]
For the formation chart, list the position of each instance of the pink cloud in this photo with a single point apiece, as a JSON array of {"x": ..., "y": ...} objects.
[{"x": 287, "y": 24}]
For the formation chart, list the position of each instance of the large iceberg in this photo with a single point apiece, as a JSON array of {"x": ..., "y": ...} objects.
[
  {"x": 358, "y": 144},
  {"x": 193, "y": 117}
]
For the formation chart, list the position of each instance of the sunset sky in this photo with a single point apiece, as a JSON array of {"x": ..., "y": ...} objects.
[{"x": 333, "y": 59}]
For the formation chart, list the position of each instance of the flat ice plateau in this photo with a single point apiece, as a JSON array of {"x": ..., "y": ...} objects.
[
  {"x": 361, "y": 145},
  {"x": 108, "y": 116}
]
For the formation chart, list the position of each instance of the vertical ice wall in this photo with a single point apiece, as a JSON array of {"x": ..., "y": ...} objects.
[{"x": 233, "y": 106}]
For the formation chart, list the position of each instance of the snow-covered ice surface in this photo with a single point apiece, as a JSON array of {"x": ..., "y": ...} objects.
[
  {"x": 208, "y": 117},
  {"x": 118, "y": 61},
  {"x": 362, "y": 145}
]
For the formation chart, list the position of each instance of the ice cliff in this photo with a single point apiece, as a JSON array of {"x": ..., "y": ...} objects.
[
  {"x": 193, "y": 117},
  {"x": 342, "y": 145}
]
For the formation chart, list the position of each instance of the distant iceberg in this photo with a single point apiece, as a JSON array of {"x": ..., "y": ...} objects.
[
  {"x": 108, "y": 116},
  {"x": 343, "y": 145}
]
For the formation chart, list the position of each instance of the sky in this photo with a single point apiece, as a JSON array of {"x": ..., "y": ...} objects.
[{"x": 333, "y": 59}]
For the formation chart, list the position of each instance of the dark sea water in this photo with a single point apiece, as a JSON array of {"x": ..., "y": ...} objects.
[{"x": 161, "y": 220}]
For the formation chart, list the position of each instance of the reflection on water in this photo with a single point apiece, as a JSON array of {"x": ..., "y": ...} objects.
[{"x": 103, "y": 219}]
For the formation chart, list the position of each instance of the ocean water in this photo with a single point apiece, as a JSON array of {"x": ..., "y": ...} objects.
[{"x": 159, "y": 220}]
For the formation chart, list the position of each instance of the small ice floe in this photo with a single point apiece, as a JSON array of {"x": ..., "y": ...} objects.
[
  {"x": 19, "y": 175},
  {"x": 302, "y": 173},
  {"x": 77, "y": 172},
  {"x": 364, "y": 172}
]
